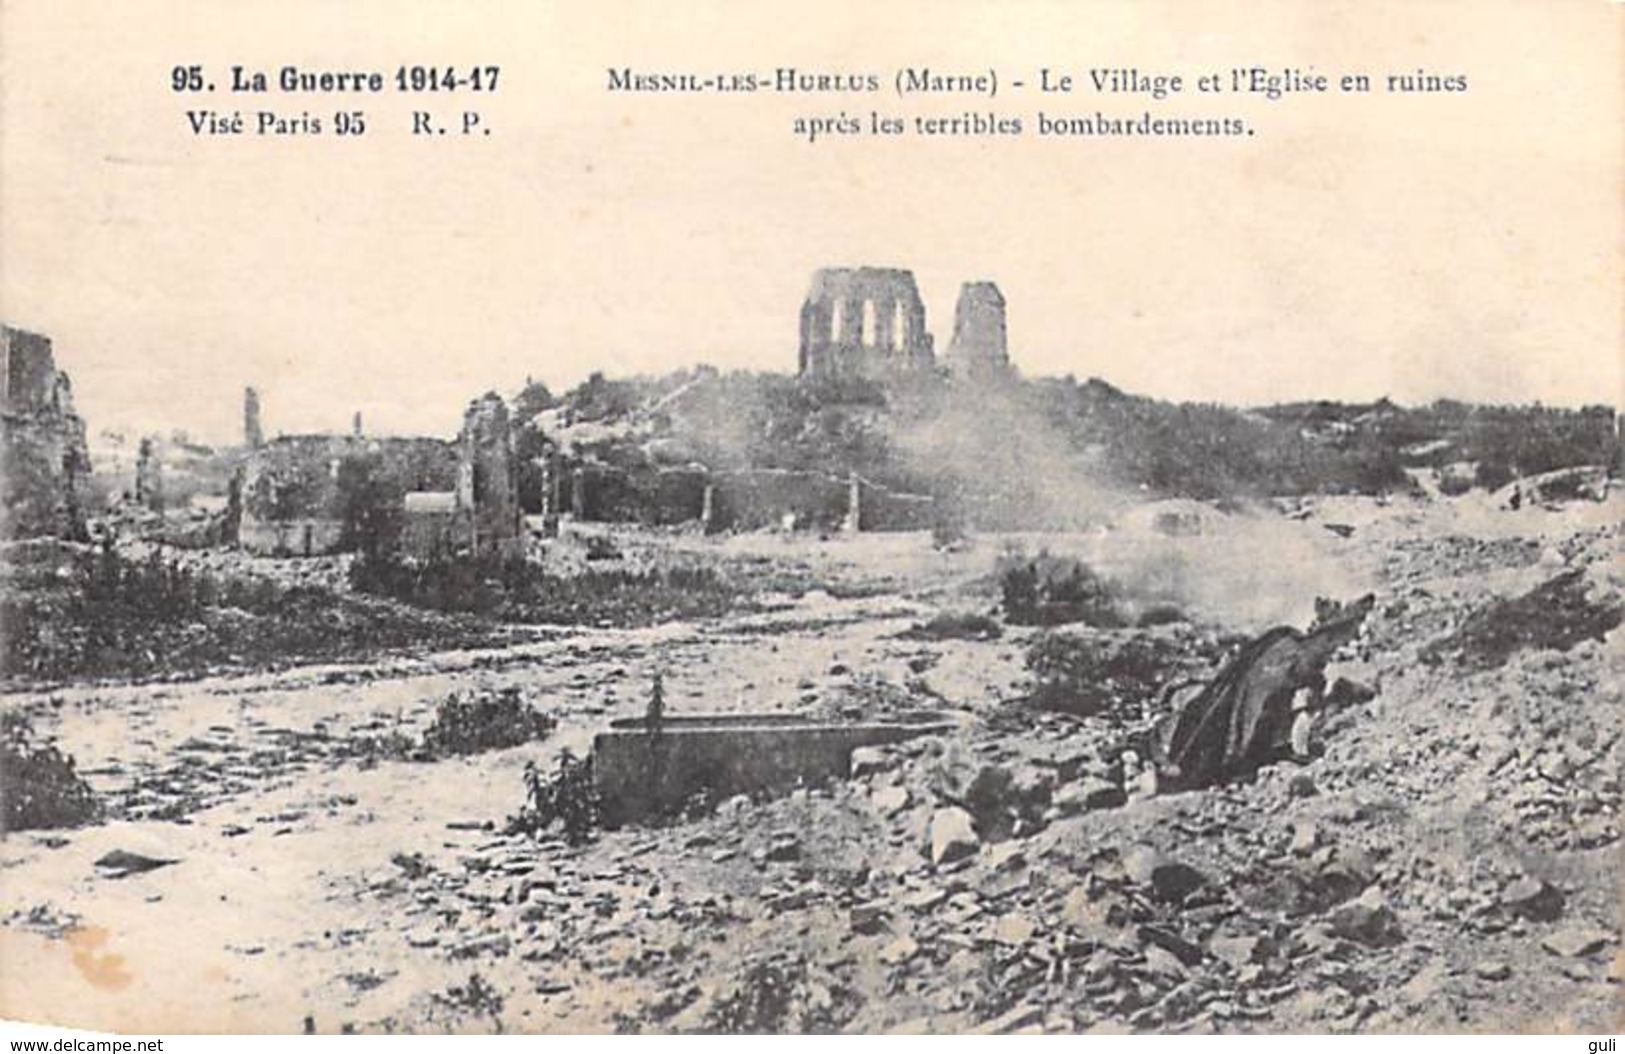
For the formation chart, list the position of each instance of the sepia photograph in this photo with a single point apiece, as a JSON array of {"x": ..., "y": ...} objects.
[{"x": 892, "y": 518}]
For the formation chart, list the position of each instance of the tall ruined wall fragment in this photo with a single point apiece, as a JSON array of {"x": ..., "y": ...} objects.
[
  {"x": 979, "y": 348},
  {"x": 488, "y": 476},
  {"x": 253, "y": 431},
  {"x": 44, "y": 460}
]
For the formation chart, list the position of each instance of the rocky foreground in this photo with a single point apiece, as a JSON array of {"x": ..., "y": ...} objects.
[{"x": 1450, "y": 860}]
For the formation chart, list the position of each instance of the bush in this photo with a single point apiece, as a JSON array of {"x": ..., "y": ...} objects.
[
  {"x": 1454, "y": 486},
  {"x": 956, "y": 626},
  {"x": 949, "y": 533},
  {"x": 39, "y": 787},
  {"x": 488, "y": 721},
  {"x": 1049, "y": 590},
  {"x": 477, "y": 998},
  {"x": 565, "y": 798},
  {"x": 1161, "y": 615}
]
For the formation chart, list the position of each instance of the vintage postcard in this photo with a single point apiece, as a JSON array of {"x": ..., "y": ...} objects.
[{"x": 863, "y": 517}]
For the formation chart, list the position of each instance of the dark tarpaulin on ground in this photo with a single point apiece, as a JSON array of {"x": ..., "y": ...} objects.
[{"x": 1243, "y": 718}]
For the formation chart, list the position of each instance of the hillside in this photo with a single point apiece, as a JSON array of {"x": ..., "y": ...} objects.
[{"x": 1057, "y": 451}]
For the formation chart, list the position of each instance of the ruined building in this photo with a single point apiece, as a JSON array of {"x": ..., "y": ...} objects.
[
  {"x": 289, "y": 494},
  {"x": 302, "y": 495},
  {"x": 296, "y": 495},
  {"x": 864, "y": 322},
  {"x": 869, "y": 322},
  {"x": 306, "y": 495},
  {"x": 44, "y": 462},
  {"x": 979, "y": 348}
]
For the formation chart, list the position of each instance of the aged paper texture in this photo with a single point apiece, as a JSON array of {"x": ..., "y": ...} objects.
[{"x": 858, "y": 516}]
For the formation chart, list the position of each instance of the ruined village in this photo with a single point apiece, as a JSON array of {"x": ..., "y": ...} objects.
[{"x": 888, "y": 689}]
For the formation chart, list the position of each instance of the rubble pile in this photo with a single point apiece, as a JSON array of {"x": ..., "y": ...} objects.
[
  {"x": 1114, "y": 673},
  {"x": 1444, "y": 858},
  {"x": 1436, "y": 866},
  {"x": 1556, "y": 614}
]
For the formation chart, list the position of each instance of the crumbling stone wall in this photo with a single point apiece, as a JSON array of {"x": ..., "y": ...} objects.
[
  {"x": 741, "y": 500},
  {"x": 649, "y": 495},
  {"x": 30, "y": 374},
  {"x": 979, "y": 348},
  {"x": 44, "y": 460},
  {"x": 756, "y": 498},
  {"x": 864, "y": 322},
  {"x": 883, "y": 509},
  {"x": 466, "y": 492}
]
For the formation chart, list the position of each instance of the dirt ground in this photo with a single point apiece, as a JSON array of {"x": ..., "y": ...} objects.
[{"x": 1450, "y": 862}]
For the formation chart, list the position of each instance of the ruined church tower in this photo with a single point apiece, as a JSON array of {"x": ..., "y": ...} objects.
[
  {"x": 979, "y": 348},
  {"x": 863, "y": 322}
]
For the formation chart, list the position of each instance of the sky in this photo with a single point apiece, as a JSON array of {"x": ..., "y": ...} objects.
[{"x": 1464, "y": 245}]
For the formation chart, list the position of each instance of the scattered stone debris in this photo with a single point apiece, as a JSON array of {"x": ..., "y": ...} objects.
[
  {"x": 44, "y": 919},
  {"x": 1007, "y": 874},
  {"x": 1168, "y": 880},
  {"x": 1533, "y": 899},
  {"x": 1367, "y": 919},
  {"x": 1558, "y": 614},
  {"x": 778, "y": 993},
  {"x": 1579, "y": 942},
  {"x": 952, "y": 835}
]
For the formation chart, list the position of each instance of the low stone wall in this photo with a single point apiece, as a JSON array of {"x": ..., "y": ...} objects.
[
  {"x": 745, "y": 500},
  {"x": 890, "y": 510},
  {"x": 639, "y": 774}
]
